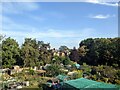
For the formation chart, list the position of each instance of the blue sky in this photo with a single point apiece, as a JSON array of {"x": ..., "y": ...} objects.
[{"x": 59, "y": 23}]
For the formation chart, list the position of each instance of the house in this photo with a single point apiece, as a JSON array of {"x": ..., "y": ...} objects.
[{"x": 60, "y": 53}]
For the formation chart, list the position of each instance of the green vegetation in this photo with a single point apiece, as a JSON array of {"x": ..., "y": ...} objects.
[
  {"x": 99, "y": 59},
  {"x": 53, "y": 70},
  {"x": 10, "y": 52},
  {"x": 100, "y": 51}
]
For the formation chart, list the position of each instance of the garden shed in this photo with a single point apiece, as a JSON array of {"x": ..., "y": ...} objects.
[{"x": 62, "y": 78}]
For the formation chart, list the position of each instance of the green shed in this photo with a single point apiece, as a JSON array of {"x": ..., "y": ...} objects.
[
  {"x": 62, "y": 78},
  {"x": 85, "y": 84}
]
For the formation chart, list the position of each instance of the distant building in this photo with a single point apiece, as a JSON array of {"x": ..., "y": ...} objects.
[{"x": 60, "y": 53}]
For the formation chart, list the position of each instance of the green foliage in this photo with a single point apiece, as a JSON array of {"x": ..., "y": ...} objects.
[
  {"x": 42, "y": 85},
  {"x": 77, "y": 74},
  {"x": 66, "y": 61},
  {"x": 94, "y": 77},
  {"x": 30, "y": 52},
  {"x": 86, "y": 68},
  {"x": 53, "y": 70},
  {"x": 31, "y": 72},
  {"x": 57, "y": 60},
  {"x": 61, "y": 59},
  {"x": 82, "y": 51},
  {"x": 11, "y": 52},
  {"x": 105, "y": 74},
  {"x": 118, "y": 73},
  {"x": 63, "y": 48},
  {"x": 100, "y": 51},
  {"x": 117, "y": 82},
  {"x": 45, "y": 54},
  {"x": 74, "y": 55}
]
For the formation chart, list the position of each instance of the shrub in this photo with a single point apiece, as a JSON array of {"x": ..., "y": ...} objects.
[
  {"x": 53, "y": 70},
  {"x": 117, "y": 82},
  {"x": 31, "y": 72}
]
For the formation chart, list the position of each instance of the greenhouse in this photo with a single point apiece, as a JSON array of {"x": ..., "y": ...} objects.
[{"x": 85, "y": 84}]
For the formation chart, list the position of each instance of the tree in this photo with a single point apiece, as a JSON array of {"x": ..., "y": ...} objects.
[
  {"x": 66, "y": 61},
  {"x": 63, "y": 48},
  {"x": 74, "y": 55},
  {"x": 11, "y": 52},
  {"x": 56, "y": 60},
  {"x": 82, "y": 51},
  {"x": 30, "y": 52},
  {"x": 103, "y": 51},
  {"x": 45, "y": 54}
]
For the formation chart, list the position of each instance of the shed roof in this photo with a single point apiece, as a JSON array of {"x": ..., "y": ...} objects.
[
  {"x": 41, "y": 71},
  {"x": 62, "y": 77}
]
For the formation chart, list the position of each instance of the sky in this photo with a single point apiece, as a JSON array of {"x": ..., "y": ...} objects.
[{"x": 59, "y": 23}]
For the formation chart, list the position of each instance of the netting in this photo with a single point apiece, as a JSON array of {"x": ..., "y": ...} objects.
[{"x": 85, "y": 84}]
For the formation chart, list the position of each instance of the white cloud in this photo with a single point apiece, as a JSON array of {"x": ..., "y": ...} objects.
[
  {"x": 9, "y": 24},
  {"x": 49, "y": 33},
  {"x": 19, "y": 7},
  {"x": 55, "y": 37},
  {"x": 109, "y": 4},
  {"x": 100, "y": 16},
  {"x": 12, "y": 28},
  {"x": 104, "y": 2}
]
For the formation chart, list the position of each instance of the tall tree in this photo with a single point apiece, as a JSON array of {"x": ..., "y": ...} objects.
[
  {"x": 10, "y": 52},
  {"x": 45, "y": 54},
  {"x": 30, "y": 52}
]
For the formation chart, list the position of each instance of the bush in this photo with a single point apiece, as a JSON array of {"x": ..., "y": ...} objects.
[
  {"x": 77, "y": 74},
  {"x": 53, "y": 70},
  {"x": 117, "y": 82},
  {"x": 66, "y": 61},
  {"x": 118, "y": 73},
  {"x": 31, "y": 72}
]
